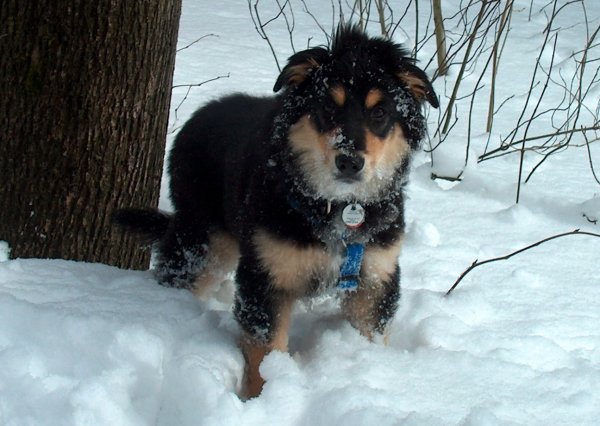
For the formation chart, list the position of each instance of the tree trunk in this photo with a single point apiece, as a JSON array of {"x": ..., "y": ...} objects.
[
  {"x": 440, "y": 37},
  {"x": 85, "y": 88}
]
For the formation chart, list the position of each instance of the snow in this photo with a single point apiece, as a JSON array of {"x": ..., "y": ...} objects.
[{"x": 517, "y": 343}]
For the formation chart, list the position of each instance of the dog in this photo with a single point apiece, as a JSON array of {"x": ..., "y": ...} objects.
[{"x": 299, "y": 193}]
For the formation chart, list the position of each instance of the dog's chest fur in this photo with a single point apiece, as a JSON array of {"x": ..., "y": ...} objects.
[{"x": 304, "y": 246}]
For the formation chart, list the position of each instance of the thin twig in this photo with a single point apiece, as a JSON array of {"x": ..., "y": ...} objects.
[
  {"x": 490, "y": 154},
  {"x": 196, "y": 41},
  {"x": 589, "y": 152},
  {"x": 290, "y": 27},
  {"x": 530, "y": 121},
  {"x": 496, "y": 54},
  {"x": 260, "y": 27},
  {"x": 189, "y": 89},
  {"x": 476, "y": 263},
  {"x": 316, "y": 21},
  {"x": 202, "y": 83}
]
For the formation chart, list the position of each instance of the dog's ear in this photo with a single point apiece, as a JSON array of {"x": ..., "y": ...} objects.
[
  {"x": 417, "y": 82},
  {"x": 299, "y": 66}
]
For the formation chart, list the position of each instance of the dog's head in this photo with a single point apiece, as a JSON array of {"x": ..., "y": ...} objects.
[{"x": 352, "y": 115}]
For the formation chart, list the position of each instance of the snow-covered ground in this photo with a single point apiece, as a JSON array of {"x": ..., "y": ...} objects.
[{"x": 517, "y": 343}]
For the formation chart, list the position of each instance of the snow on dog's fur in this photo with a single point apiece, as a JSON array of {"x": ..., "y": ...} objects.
[{"x": 259, "y": 186}]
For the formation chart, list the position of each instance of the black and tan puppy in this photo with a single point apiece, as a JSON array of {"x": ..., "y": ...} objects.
[{"x": 301, "y": 192}]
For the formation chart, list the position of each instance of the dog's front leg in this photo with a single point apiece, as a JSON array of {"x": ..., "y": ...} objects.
[
  {"x": 374, "y": 303},
  {"x": 264, "y": 314}
]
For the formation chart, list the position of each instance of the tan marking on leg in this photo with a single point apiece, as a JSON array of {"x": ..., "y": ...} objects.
[
  {"x": 357, "y": 308},
  {"x": 386, "y": 337},
  {"x": 338, "y": 94},
  {"x": 290, "y": 265},
  {"x": 222, "y": 258},
  {"x": 379, "y": 263},
  {"x": 284, "y": 319},
  {"x": 373, "y": 98},
  {"x": 360, "y": 307},
  {"x": 254, "y": 352}
]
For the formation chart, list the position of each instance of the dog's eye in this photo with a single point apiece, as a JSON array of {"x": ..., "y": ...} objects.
[
  {"x": 328, "y": 110},
  {"x": 378, "y": 114},
  {"x": 325, "y": 116}
]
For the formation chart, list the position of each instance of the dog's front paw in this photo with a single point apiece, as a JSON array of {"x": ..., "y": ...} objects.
[{"x": 252, "y": 383}]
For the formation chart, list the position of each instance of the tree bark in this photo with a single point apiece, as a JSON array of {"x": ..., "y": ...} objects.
[{"x": 85, "y": 88}]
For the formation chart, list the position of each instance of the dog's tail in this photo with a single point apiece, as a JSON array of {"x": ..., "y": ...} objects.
[{"x": 148, "y": 224}]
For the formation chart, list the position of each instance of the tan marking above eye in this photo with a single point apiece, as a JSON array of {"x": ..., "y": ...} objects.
[
  {"x": 338, "y": 94},
  {"x": 373, "y": 98}
]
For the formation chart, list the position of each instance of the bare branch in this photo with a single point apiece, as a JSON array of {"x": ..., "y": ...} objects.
[
  {"x": 202, "y": 83},
  {"x": 260, "y": 27},
  {"x": 316, "y": 21},
  {"x": 480, "y": 18},
  {"x": 496, "y": 53},
  {"x": 189, "y": 89},
  {"x": 589, "y": 152},
  {"x": 477, "y": 263},
  {"x": 196, "y": 41},
  {"x": 504, "y": 149},
  {"x": 522, "y": 157}
]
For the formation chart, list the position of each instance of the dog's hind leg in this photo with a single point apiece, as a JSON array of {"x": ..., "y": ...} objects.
[
  {"x": 181, "y": 253},
  {"x": 221, "y": 260}
]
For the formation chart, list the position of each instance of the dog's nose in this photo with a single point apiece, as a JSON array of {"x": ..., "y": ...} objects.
[{"x": 349, "y": 165}]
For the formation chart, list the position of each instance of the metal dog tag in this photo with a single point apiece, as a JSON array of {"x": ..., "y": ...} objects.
[{"x": 353, "y": 215}]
